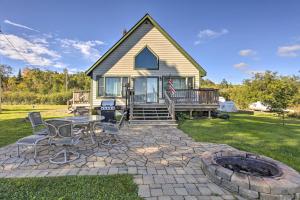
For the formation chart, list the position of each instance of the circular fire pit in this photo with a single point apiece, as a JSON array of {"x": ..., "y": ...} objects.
[
  {"x": 252, "y": 176},
  {"x": 249, "y": 166}
]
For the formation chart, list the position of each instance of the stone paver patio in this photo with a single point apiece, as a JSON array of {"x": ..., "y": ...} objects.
[{"x": 164, "y": 161}]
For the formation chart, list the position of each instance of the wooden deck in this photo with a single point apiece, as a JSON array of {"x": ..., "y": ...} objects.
[
  {"x": 181, "y": 107},
  {"x": 79, "y": 99},
  {"x": 204, "y": 99}
]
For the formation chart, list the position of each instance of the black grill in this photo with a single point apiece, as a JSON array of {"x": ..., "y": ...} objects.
[{"x": 108, "y": 110}]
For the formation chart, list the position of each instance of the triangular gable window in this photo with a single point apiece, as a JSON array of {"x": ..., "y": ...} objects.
[{"x": 146, "y": 59}]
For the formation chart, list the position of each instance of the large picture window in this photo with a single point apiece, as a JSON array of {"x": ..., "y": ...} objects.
[
  {"x": 146, "y": 59},
  {"x": 112, "y": 86}
]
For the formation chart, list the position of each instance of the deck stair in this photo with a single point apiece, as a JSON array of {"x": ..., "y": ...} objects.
[{"x": 151, "y": 115}]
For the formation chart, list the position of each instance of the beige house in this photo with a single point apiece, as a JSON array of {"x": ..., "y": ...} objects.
[{"x": 146, "y": 58}]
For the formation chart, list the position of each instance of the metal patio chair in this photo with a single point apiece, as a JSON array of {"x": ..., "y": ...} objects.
[
  {"x": 40, "y": 133},
  {"x": 31, "y": 140},
  {"x": 37, "y": 123},
  {"x": 111, "y": 132},
  {"x": 61, "y": 133}
]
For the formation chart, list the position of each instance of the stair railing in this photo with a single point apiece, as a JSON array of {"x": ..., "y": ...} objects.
[
  {"x": 130, "y": 102},
  {"x": 170, "y": 105}
]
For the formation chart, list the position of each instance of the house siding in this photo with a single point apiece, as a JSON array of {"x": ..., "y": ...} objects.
[{"x": 121, "y": 61}]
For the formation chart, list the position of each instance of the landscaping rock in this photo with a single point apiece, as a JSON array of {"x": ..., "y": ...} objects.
[
  {"x": 240, "y": 179},
  {"x": 250, "y": 194},
  {"x": 224, "y": 173}
]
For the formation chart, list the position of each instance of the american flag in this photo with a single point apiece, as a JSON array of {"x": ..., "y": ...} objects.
[{"x": 171, "y": 87}]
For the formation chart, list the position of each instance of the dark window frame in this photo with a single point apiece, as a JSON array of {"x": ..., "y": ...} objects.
[{"x": 123, "y": 93}]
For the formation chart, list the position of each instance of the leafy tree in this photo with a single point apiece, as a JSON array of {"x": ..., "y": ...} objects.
[
  {"x": 279, "y": 92},
  {"x": 47, "y": 86},
  {"x": 224, "y": 84},
  {"x": 206, "y": 83},
  {"x": 19, "y": 76},
  {"x": 66, "y": 78},
  {"x": 5, "y": 72}
]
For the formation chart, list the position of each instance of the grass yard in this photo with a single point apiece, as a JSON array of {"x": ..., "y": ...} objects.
[
  {"x": 13, "y": 126},
  {"x": 69, "y": 188},
  {"x": 259, "y": 133}
]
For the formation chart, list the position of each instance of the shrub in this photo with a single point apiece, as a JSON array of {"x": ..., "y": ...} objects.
[
  {"x": 181, "y": 116},
  {"x": 294, "y": 115}
]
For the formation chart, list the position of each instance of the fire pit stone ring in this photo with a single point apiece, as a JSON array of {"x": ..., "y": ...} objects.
[{"x": 251, "y": 176}]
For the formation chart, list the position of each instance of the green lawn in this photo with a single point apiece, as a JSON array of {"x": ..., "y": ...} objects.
[
  {"x": 259, "y": 133},
  {"x": 72, "y": 187},
  {"x": 13, "y": 127}
]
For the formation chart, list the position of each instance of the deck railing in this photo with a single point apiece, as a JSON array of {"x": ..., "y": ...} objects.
[
  {"x": 130, "y": 97},
  {"x": 195, "y": 96},
  {"x": 79, "y": 97}
]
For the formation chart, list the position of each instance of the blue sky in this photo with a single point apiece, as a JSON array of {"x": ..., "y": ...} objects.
[{"x": 230, "y": 39}]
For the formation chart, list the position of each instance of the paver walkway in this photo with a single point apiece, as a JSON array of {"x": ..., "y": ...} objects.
[{"x": 164, "y": 161}]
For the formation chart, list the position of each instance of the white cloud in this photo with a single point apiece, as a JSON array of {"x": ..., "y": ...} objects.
[
  {"x": 74, "y": 70},
  {"x": 244, "y": 68},
  {"x": 19, "y": 25},
  {"x": 253, "y": 72},
  {"x": 85, "y": 47},
  {"x": 289, "y": 51},
  {"x": 60, "y": 65},
  {"x": 40, "y": 41},
  {"x": 247, "y": 52},
  {"x": 48, "y": 35},
  {"x": 36, "y": 54},
  {"x": 208, "y": 34},
  {"x": 240, "y": 65},
  {"x": 45, "y": 49}
]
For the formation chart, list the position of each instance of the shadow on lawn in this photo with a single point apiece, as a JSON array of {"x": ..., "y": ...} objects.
[
  {"x": 290, "y": 123},
  {"x": 13, "y": 129},
  {"x": 25, "y": 110}
]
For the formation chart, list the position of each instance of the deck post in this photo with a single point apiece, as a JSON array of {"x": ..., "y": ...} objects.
[
  {"x": 209, "y": 114},
  {"x": 191, "y": 114}
]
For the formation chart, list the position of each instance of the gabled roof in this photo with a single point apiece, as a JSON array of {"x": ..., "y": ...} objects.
[{"x": 155, "y": 24}]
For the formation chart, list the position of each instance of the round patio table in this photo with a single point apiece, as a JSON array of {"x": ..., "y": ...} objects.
[{"x": 87, "y": 121}]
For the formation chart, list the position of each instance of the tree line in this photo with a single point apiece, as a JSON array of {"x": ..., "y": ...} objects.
[
  {"x": 35, "y": 86},
  {"x": 280, "y": 92}
]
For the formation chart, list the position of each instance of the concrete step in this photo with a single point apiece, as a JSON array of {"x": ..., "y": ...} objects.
[
  {"x": 150, "y": 110},
  {"x": 152, "y": 122},
  {"x": 154, "y": 113},
  {"x": 149, "y": 106},
  {"x": 152, "y": 117}
]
